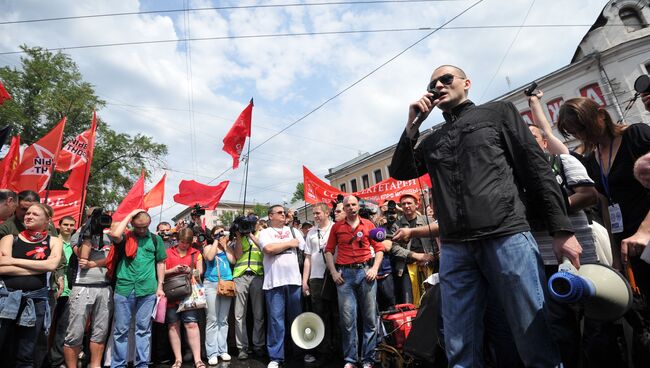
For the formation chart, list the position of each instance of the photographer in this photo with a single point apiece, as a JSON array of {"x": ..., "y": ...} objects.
[
  {"x": 413, "y": 260},
  {"x": 248, "y": 275},
  {"x": 164, "y": 230},
  {"x": 90, "y": 294}
]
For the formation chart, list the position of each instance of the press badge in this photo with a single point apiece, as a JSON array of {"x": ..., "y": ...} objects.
[{"x": 615, "y": 218}]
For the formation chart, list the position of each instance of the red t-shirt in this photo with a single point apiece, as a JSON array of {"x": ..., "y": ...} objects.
[
  {"x": 174, "y": 259},
  {"x": 352, "y": 245}
]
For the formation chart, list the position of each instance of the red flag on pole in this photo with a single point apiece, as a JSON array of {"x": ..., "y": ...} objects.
[
  {"x": 4, "y": 95},
  {"x": 190, "y": 193},
  {"x": 10, "y": 162},
  {"x": 64, "y": 203},
  {"x": 133, "y": 200},
  {"x": 155, "y": 196},
  {"x": 233, "y": 142},
  {"x": 34, "y": 170},
  {"x": 74, "y": 153},
  {"x": 78, "y": 179}
]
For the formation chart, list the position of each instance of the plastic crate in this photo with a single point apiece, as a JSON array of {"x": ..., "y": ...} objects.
[{"x": 397, "y": 323}]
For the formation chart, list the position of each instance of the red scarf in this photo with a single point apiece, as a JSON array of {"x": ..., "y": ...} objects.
[
  {"x": 33, "y": 236},
  {"x": 130, "y": 251}
]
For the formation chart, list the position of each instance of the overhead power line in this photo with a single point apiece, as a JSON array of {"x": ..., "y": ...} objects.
[
  {"x": 373, "y": 71},
  {"x": 225, "y": 8},
  {"x": 303, "y": 34}
]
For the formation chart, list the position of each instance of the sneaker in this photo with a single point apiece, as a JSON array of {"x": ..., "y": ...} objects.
[
  {"x": 349, "y": 365},
  {"x": 214, "y": 360},
  {"x": 273, "y": 364},
  {"x": 368, "y": 365},
  {"x": 225, "y": 357},
  {"x": 243, "y": 355},
  {"x": 309, "y": 358}
]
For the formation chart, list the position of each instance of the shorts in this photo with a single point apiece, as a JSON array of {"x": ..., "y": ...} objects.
[
  {"x": 89, "y": 301},
  {"x": 188, "y": 316}
]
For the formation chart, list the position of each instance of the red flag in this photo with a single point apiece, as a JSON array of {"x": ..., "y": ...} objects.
[
  {"x": 78, "y": 179},
  {"x": 10, "y": 162},
  {"x": 190, "y": 193},
  {"x": 233, "y": 142},
  {"x": 34, "y": 170},
  {"x": 4, "y": 95},
  {"x": 133, "y": 200},
  {"x": 64, "y": 203},
  {"x": 74, "y": 153},
  {"x": 155, "y": 196}
]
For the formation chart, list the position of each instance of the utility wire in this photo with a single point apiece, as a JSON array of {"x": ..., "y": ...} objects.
[
  {"x": 303, "y": 34},
  {"x": 503, "y": 59},
  {"x": 234, "y": 7},
  {"x": 373, "y": 71}
]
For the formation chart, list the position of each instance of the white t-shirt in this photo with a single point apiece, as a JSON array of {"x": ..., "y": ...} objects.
[
  {"x": 281, "y": 269},
  {"x": 315, "y": 242}
]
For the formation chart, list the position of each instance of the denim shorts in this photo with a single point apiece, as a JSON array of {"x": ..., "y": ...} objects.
[{"x": 189, "y": 316}]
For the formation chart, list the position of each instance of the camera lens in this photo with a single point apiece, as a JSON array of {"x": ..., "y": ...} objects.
[{"x": 642, "y": 84}]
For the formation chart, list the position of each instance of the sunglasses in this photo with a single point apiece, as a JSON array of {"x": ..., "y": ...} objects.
[
  {"x": 445, "y": 79},
  {"x": 279, "y": 213}
]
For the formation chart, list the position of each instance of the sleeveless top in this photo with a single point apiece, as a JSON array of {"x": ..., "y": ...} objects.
[{"x": 32, "y": 251}]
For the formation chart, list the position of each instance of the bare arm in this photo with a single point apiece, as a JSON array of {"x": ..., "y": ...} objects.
[
  {"x": 555, "y": 145},
  {"x": 275, "y": 248},
  {"x": 50, "y": 264},
  {"x": 238, "y": 249},
  {"x": 336, "y": 276},
  {"x": 230, "y": 254},
  {"x": 160, "y": 272},
  {"x": 306, "y": 270},
  {"x": 582, "y": 198},
  {"x": 210, "y": 251},
  {"x": 116, "y": 233}
]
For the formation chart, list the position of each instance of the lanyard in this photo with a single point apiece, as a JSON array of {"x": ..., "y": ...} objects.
[{"x": 604, "y": 176}]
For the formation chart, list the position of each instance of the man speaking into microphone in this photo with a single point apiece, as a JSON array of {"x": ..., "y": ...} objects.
[{"x": 481, "y": 160}]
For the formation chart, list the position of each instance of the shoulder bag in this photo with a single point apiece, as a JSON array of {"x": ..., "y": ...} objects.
[
  {"x": 224, "y": 287},
  {"x": 178, "y": 286}
]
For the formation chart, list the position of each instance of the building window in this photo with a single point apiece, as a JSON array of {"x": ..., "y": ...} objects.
[
  {"x": 366, "y": 181},
  {"x": 631, "y": 18},
  {"x": 647, "y": 68},
  {"x": 343, "y": 188},
  {"x": 378, "y": 177},
  {"x": 353, "y": 185}
]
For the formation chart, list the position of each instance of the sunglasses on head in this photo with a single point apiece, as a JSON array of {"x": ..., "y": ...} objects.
[{"x": 445, "y": 79}]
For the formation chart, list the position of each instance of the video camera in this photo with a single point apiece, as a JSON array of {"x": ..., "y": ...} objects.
[
  {"x": 197, "y": 210},
  {"x": 339, "y": 199},
  {"x": 391, "y": 215},
  {"x": 366, "y": 209},
  {"x": 95, "y": 225},
  {"x": 243, "y": 225}
]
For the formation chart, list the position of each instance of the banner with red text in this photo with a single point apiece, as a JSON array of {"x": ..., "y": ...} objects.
[
  {"x": 317, "y": 190},
  {"x": 64, "y": 203}
]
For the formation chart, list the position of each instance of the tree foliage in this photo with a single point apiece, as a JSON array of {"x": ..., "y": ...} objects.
[
  {"x": 299, "y": 193},
  {"x": 49, "y": 86}
]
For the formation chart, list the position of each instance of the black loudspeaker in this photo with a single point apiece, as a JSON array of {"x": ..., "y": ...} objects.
[{"x": 424, "y": 342}]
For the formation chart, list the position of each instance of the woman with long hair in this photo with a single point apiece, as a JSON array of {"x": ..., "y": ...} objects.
[
  {"x": 25, "y": 261},
  {"x": 183, "y": 259},
  {"x": 219, "y": 257}
]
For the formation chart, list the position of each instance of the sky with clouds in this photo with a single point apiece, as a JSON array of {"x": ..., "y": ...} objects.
[{"x": 188, "y": 94}]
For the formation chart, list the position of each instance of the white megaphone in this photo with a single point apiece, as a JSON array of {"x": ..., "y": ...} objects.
[
  {"x": 307, "y": 330},
  {"x": 605, "y": 294}
]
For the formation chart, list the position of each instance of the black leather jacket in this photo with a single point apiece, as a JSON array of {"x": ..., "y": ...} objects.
[{"x": 481, "y": 161}]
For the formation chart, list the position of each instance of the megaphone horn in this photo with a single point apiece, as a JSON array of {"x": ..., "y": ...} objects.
[
  {"x": 605, "y": 294},
  {"x": 307, "y": 330}
]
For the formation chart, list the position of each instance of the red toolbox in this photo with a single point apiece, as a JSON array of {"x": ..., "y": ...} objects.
[{"x": 397, "y": 323}]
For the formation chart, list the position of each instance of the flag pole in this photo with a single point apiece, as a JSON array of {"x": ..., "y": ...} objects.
[
  {"x": 248, "y": 159},
  {"x": 89, "y": 157}
]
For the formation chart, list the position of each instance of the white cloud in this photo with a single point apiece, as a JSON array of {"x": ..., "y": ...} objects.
[{"x": 288, "y": 76}]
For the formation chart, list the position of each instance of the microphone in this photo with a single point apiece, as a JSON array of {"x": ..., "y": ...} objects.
[
  {"x": 378, "y": 234},
  {"x": 435, "y": 95}
]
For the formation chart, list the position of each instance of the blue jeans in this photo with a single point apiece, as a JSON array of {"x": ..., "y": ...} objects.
[
  {"x": 512, "y": 267},
  {"x": 216, "y": 326},
  {"x": 356, "y": 291},
  {"x": 278, "y": 300},
  {"x": 125, "y": 308}
]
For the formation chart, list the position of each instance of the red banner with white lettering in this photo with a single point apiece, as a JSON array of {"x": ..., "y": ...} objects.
[
  {"x": 593, "y": 92},
  {"x": 553, "y": 107},
  {"x": 74, "y": 153},
  {"x": 64, "y": 203},
  {"x": 317, "y": 190}
]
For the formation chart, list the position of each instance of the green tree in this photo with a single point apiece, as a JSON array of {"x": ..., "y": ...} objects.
[
  {"x": 227, "y": 218},
  {"x": 260, "y": 210},
  {"x": 49, "y": 86},
  {"x": 299, "y": 194}
]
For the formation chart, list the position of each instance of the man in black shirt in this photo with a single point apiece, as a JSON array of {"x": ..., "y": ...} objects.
[{"x": 480, "y": 162}]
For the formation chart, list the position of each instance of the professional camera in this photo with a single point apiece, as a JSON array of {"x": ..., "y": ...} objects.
[
  {"x": 197, "y": 210},
  {"x": 391, "y": 211},
  {"x": 95, "y": 225},
  {"x": 243, "y": 225},
  {"x": 366, "y": 209},
  {"x": 642, "y": 84},
  {"x": 339, "y": 199},
  {"x": 203, "y": 236}
]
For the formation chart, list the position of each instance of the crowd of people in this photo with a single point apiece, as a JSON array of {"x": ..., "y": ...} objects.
[{"x": 508, "y": 205}]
